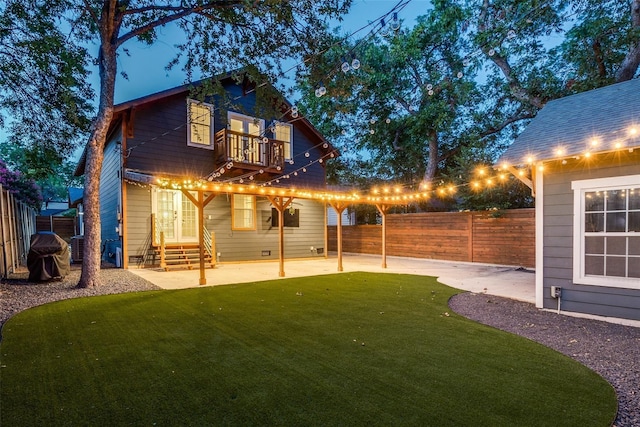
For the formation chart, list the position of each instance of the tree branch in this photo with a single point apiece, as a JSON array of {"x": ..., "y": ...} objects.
[
  {"x": 501, "y": 62},
  {"x": 495, "y": 129},
  {"x": 180, "y": 12}
]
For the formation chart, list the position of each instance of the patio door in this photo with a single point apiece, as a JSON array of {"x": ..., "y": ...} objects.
[
  {"x": 176, "y": 216},
  {"x": 247, "y": 148}
]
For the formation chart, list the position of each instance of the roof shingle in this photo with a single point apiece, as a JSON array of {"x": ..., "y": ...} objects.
[{"x": 571, "y": 124}]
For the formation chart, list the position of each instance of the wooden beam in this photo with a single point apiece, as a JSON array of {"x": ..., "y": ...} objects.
[
  {"x": 526, "y": 181},
  {"x": 280, "y": 203}
]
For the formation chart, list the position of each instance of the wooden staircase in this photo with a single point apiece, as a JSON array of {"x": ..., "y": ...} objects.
[{"x": 183, "y": 256}]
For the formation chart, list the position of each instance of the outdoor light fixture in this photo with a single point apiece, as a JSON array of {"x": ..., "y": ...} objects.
[
  {"x": 355, "y": 63},
  {"x": 345, "y": 66},
  {"x": 395, "y": 22},
  {"x": 384, "y": 30}
]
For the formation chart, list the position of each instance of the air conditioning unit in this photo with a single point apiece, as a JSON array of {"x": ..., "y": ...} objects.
[{"x": 77, "y": 248}]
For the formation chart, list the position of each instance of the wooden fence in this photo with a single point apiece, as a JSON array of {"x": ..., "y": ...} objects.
[
  {"x": 17, "y": 224},
  {"x": 501, "y": 237},
  {"x": 65, "y": 227}
]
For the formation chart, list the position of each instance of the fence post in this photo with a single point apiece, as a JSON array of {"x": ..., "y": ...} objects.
[{"x": 3, "y": 233}]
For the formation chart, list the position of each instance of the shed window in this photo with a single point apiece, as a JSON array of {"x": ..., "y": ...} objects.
[
  {"x": 200, "y": 131},
  {"x": 243, "y": 212},
  {"x": 607, "y": 231}
]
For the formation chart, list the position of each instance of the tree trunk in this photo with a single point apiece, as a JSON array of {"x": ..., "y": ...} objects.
[
  {"x": 107, "y": 65},
  {"x": 629, "y": 66},
  {"x": 432, "y": 161}
]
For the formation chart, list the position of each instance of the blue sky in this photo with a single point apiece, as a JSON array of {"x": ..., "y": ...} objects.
[{"x": 145, "y": 66}]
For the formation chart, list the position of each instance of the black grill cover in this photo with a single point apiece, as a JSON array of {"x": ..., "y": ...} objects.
[{"x": 48, "y": 257}]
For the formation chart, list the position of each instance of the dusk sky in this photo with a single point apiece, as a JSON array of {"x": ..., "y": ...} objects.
[{"x": 145, "y": 66}]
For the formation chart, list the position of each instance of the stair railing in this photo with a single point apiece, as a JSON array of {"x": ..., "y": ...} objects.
[{"x": 209, "y": 244}]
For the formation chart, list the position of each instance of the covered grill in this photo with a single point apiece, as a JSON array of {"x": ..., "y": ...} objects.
[{"x": 48, "y": 257}]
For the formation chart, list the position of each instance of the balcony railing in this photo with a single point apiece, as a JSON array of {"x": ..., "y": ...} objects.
[{"x": 243, "y": 149}]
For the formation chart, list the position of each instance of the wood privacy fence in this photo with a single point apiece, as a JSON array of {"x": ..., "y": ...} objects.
[
  {"x": 501, "y": 237},
  {"x": 65, "y": 227},
  {"x": 17, "y": 224}
]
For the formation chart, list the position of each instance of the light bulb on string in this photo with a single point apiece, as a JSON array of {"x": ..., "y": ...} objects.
[
  {"x": 395, "y": 22},
  {"x": 345, "y": 66},
  {"x": 294, "y": 109},
  {"x": 294, "y": 114},
  {"x": 492, "y": 52},
  {"x": 384, "y": 30},
  {"x": 355, "y": 62},
  {"x": 511, "y": 34}
]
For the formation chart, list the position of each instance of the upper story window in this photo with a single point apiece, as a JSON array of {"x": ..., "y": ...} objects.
[
  {"x": 284, "y": 132},
  {"x": 200, "y": 117},
  {"x": 607, "y": 231}
]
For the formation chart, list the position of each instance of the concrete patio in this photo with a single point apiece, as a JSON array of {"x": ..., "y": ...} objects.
[{"x": 505, "y": 281}]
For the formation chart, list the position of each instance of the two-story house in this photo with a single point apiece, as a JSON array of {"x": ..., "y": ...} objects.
[{"x": 161, "y": 146}]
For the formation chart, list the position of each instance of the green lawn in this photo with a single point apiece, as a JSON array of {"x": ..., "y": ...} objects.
[{"x": 347, "y": 349}]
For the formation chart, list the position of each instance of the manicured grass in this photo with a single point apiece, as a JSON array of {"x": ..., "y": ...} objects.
[{"x": 348, "y": 349}]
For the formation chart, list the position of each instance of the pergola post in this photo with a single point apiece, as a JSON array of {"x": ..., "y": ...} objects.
[
  {"x": 280, "y": 204},
  {"x": 383, "y": 209},
  {"x": 339, "y": 207},
  {"x": 200, "y": 204}
]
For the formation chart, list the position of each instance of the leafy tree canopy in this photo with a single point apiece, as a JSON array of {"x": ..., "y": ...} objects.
[
  {"x": 432, "y": 102},
  {"x": 44, "y": 94}
]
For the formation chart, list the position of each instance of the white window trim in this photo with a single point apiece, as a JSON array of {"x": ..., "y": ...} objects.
[
  {"x": 211, "y": 144},
  {"x": 579, "y": 188}
]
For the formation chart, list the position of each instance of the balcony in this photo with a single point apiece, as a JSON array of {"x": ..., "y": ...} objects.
[{"x": 248, "y": 152}]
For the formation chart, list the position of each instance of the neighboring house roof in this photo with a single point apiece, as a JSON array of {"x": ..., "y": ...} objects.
[
  {"x": 52, "y": 212},
  {"x": 75, "y": 196},
  {"x": 596, "y": 121},
  {"x": 123, "y": 107}
]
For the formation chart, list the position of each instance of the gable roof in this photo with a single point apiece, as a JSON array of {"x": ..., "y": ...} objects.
[
  {"x": 595, "y": 121},
  {"x": 75, "y": 196},
  {"x": 120, "y": 109}
]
